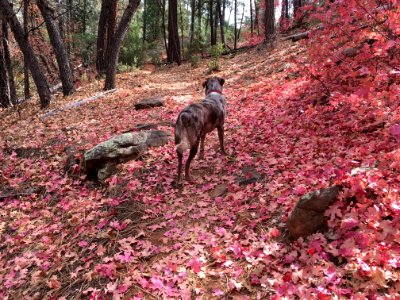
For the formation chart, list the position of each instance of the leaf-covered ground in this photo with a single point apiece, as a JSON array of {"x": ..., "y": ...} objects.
[{"x": 136, "y": 236}]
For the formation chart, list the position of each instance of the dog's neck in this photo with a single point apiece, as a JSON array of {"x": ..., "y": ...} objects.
[{"x": 214, "y": 91}]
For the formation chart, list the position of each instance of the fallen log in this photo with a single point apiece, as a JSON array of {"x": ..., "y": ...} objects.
[{"x": 75, "y": 104}]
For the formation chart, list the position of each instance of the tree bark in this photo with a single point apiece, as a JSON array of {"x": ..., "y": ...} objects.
[
  {"x": 102, "y": 38},
  {"x": 251, "y": 18},
  {"x": 192, "y": 19},
  {"x": 59, "y": 48},
  {"x": 8, "y": 64},
  {"x": 173, "y": 52},
  {"x": 269, "y": 20},
  {"x": 37, "y": 74},
  {"x": 117, "y": 39},
  {"x": 235, "y": 25},
  {"x": 5, "y": 98},
  {"x": 27, "y": 93},
  {"x": 213, "y": 35},
  {"x": 221, "y": 17},
  {"x": 144, "y": 21}
]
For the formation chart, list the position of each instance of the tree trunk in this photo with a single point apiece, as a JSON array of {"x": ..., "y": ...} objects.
[
  {"x": 251, "y": 19},
  {"x": 5, "y": 98},
  {"x": 181, "y": 15},
  {"x": 221, "y": 16},
  {"x": 269, "y": 20},
  {"x": 192, "y": 19},
  {"x": 161, "y": 5},
  {"x": 59, "y": 48},
  {"x": 8, "y": 64},
  {"x": 144, "y": 21},
  {"x": 257, "y": 18},
  {"x": 173, "y": 52},
  {"x": 199, "y": 11},
  {"x": 27, "y": 93},
  {"x": 213, "y": 17},
  {"x": 235, "y": 25},
  {"x": 102, "y": 38},
  {"x": 117, "y": 39},
  {"x": 30, "y": 58}
]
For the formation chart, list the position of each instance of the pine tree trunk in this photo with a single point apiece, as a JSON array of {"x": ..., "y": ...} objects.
[
  {"x": 5, "y": 98},
  {"x": 144, "y": 21},
  {"x": 199, "y": 11},
  {"x": 173, "y": 52},
  {"x": 27, "y": 93},
  {"x": 8, "y": 64},
  {"x": 102, "y": 38},
  {"x": 251, "y": 18},
  {"x": 221, "y": 16},
  {"x": 117, "y": 39},
  {"x": 30, "y": 58},
  {"x": 213, "y": 36},
  {"x": 192, "y": 19},
  {"x": 269, "y": 20},
  {"x": 235, "y": 25},
  {"x": 59, "y": 48}
]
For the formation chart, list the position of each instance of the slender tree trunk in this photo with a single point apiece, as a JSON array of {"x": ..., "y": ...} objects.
[
  {"x": 8, "y": 63},
  {"x": 173, "y": 53},
  {"x": 213, "y": 36},
  {"x": 251, "y": 18},
  {"x": 235, "y": 25},
  {"x": 59, "y": 48},
  {"x": 161, "y": 4},
  {"x": 144, "y": 21},
  {"x": 192, "y": 19},
  {"x": 84, "y": 21},
  {"x": 257, "y": 18},
  {"x": 117, "y": 39},
  {"x": 26, "y": 33},
  {"x": 5, "y": 97},
  {"x": 221, "y": 16},
  {"x": 69, "y": 24},
  {"x": 180, "y": 12},
  {"x": 30, "y": 58},
  {"x": 269, "y": 20},
  {"x": 199, "y": 12}
]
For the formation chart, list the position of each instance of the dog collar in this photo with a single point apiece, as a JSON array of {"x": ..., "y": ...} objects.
[{"x": 214, "y": 91}]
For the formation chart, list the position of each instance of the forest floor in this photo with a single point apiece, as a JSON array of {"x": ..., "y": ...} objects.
[{"x": 223, "y": 236}]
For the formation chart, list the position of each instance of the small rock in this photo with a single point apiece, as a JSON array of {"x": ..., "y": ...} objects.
[
  {"x": 250, "y": 175},
  {"x": 218, "y": 191},
  {"x": 308, "y": 214},
  {"x": 150, "y": 102}
]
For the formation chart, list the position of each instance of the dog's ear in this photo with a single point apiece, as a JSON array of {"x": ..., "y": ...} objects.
[
  {"x": 205, "y": 83},
  {"x": 221, "y": 81}
]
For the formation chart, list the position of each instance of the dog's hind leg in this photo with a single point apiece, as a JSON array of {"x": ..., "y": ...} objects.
[
  {"x": 192, "y": 154},
  {"x": 180, "y": 157},
  {"x": 203, "y": 137},
  {"x": 221, "y": 138}
]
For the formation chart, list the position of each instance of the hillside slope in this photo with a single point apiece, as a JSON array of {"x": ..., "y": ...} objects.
[{"x": 137, "y": 236}]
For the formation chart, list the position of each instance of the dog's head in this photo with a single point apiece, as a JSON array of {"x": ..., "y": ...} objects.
[{"x": 213, "y": 84}]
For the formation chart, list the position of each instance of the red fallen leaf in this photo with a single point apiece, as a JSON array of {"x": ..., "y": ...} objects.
[
  {"x": 322, "y": 296},
  {"x": 274, "y": 232},
  {"x": 195, "y": 265},
  {"x": 287, "y": 277}
]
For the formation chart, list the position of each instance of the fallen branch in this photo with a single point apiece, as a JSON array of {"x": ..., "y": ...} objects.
[
  {"x": 298, "y": 36},
  {"x": 27, "y": 192},
  {"x": 75, "y": 104}
]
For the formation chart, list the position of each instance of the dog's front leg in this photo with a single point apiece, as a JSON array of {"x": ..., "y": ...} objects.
[
  {"x": 221, "y": 138},
  {"x": 202, "y": 139}
]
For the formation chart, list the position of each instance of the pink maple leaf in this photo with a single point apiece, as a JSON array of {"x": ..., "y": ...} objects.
[{"x": 195, "y": 264}]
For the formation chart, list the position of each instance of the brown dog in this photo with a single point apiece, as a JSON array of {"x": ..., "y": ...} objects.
[{"x": 198, "y": 119}]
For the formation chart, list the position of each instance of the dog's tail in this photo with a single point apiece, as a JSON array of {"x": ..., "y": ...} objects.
[{"x": 181, "y": 136}]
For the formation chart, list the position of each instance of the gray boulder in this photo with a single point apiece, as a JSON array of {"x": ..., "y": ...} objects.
[
  {"x": 101, "y": 160},
  {"x": 308, "y": 214}
]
